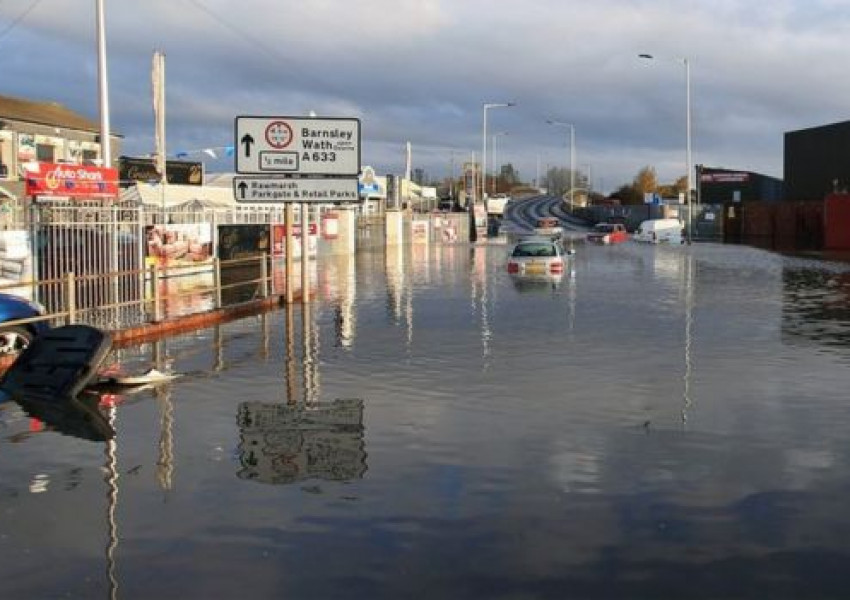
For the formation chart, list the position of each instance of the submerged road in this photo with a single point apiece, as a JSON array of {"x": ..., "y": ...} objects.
[
  {"x": 655, "y": 422},
  {"x": 521, "y": 215}
]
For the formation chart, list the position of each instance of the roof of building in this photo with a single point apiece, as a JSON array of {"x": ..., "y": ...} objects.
[
  {"x": 52, "y": 114},
  {"x": 174, "y": 195}
]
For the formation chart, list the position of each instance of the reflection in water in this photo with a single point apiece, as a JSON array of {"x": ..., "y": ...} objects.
[
  {"x": 191, "y": 291},
  {"x": 165, "y": 460},
  {"x": 290, "y": 360},
  {"x": 111, "y": 478},
  {"x": 400, "y": 290},
  {"x": 310, "y": 355},
  {"x": 571, "y": 297},
  {"x": 479, "y": 291},
  {"x": 816, "y": 307},
  {"x": 395, "y": 281},
  {"x": 265, "y": 328},
  {"x": 689, "y": 309},
  {"x": 80, "y": 417},
  {"x": 342, "y": 289},
  {"x": 218, "y": 346},
  {"x": 545, "y": 456},
  {"x": 282, "y": 444},
  {"x": 542, "y": 284}
]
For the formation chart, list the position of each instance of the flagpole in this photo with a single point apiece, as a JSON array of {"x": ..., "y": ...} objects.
[
  {"x": 158, "y": 84},
  {"x": 103, "y": 88}
]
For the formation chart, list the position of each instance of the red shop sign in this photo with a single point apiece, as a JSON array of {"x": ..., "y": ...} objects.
[{"x": 76, "y": 181}]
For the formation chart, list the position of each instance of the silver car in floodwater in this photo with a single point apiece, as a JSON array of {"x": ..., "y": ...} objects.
[{"x": 538, "y": 257}]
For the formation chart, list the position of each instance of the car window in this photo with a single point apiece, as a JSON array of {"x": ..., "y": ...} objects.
[{"x": 534, "y": 249}]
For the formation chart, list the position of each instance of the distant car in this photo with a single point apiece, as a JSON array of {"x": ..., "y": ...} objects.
[
  {"x": 540, "y": 257},
  {"x": 15, "y": 338},
  {"x": 548, "y": 227},
  {"x": 608, "y": 233}
]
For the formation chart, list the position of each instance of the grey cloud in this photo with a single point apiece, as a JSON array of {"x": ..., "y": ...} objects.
[{"x": 420, "y": 71}]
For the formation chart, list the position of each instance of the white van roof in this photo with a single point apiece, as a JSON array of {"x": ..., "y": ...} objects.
[{"x": 663, "y": 222}]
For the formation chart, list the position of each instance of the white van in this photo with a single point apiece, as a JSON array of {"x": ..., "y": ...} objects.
[{"x": 659, "y": 231}]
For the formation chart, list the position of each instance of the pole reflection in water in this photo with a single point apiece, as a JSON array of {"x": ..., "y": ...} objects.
[
  {"x": 340, "y": 279},
  {"x": 111, "y": 478},
  {"x": 480, "y": 300},
  {"x": 395, "y": 280},
  {"x": 310, "y": 355},
  {"x": 265, "y": 327},
  {"x": 86, "y": 417},
  {"x": 689, "y": 306},
  {"x": 165, "y": 460},
  {"x": 218, "y": 348},
  {"x": 289, "y": 358},
  {"x": 571, "y": 298},
  {"x": 346, "y": 318},
  {"x": 282, "y": 443},
  {"x": 315, "y": 385},
  {"x": 408, "y": 311}
]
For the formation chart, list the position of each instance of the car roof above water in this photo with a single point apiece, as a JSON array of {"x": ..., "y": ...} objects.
[{"x": 536, "y": 239}]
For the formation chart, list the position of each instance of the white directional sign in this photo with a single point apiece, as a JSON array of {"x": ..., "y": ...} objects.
[
  {"x": 297, "y": 146},
  {"x": 280, "y": 189}
]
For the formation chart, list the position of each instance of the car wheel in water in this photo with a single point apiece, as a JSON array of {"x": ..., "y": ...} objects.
[{"x": 14, "y": 340}]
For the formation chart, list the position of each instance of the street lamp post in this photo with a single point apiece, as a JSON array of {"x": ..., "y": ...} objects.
[
  {"x": 572, "y": 155},
  {"x": 688, "y": 164},
  {"x": 487, "y": 106}
]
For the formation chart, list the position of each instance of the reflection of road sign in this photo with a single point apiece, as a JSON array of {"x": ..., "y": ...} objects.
[
  {"x": 297, "y": 146},
  {"x": 281, "y": 189}
]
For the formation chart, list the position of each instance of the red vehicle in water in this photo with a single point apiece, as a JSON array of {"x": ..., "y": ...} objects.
[{"x": 608, "y": 233}]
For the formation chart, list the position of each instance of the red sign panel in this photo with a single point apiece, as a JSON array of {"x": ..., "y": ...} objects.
[{"x": 76, "y": 181}]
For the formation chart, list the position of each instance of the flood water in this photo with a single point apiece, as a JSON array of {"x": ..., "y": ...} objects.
[{"x": 660, "y": 423}]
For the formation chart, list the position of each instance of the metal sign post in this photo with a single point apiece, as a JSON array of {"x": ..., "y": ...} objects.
[
  {"x": 290, "y": 248},
  {"x": 305, "y": 253}
]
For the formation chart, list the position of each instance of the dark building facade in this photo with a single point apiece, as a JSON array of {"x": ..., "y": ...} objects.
[
  {"x": 719, "y": 186},
  {"x": 817, "y": 161}
]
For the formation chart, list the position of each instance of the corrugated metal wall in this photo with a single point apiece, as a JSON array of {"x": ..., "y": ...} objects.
[{"x": 778, "y": 226}]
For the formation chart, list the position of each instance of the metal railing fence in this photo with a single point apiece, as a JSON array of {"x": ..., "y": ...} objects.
[{"x": 213, "y": 287}]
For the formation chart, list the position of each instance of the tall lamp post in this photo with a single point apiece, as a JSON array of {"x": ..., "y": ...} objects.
[
  {"x": 688, "y": 164},
  {"x": 488, "y": 106},
  {"x": 572, "y": 155}
]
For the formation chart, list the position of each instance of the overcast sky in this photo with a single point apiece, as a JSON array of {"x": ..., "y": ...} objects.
[{"x": 420, "y": 70}]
